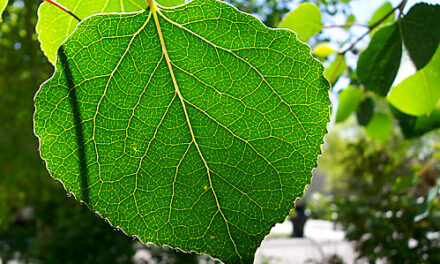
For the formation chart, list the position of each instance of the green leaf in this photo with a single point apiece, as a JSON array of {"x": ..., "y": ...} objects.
[
  {"x": 378, "y": 64},
  {"x": 336, "y": 69},
  {"x": 416, "y": 126},
  {"x": 365, "y": 111},
  {"x": 195, "y": 127},
  {"x": 54, "y": 25},
  {"x": 304, "y": 20},
  {"x": 349, "y": 100},
  {"x": 171, "y": 2},
  {"x": 379, "y": 14},
  {"x": 3, "y": 4},
  {"x": 420, "y": 32},
  {"x": 350, "y": 19},
  {"x": 323, "y": 50},
  {"x": 419, "y": 93},
  {"x": 379, "y": 127},
  {"x": 425, "y": 208}
]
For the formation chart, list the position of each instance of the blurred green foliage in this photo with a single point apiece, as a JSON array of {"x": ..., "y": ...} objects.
[
  {"x": 384, "y": 193},
  {"x": 38, "y": 223},
  {"x": 380, "y": 195}
]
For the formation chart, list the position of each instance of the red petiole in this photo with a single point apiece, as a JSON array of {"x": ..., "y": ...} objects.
[{"x": 62, "y": 8}]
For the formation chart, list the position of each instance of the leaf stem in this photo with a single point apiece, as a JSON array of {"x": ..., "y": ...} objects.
[
  {"x": 62, "y": 8},
  {"x": 370, "y": 28},
  {"x": 346, "y": 25}
]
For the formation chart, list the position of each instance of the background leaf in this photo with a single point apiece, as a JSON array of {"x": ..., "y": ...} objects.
[
  {"x": 336, "y": 69},
  {"x": 54, "y": 25},
  {"x": 378, "y": 64},
  {"x": 420, "y": 32},
  {"x": 304, "y": 20},
  {"x": 350, "y": 19},
  {"x": 3, "y": 4},
  {"x": 379, "y": 126},
  {"x": 416, "y": 126},
  {"x": 419, "y": 93},
  {"x": 382, "y": 11},
  {"x": 365, "y": 111},
  {"x": 170, "y": 2},
  {"x": 323, "y": 50},
  {"x": 201, "y": 140},
  {"x": 349, "y": 100}
]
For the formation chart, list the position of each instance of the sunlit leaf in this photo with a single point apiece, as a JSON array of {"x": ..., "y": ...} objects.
[
  {"x": 419, "y": 93},
  {"x": 379, "y": 14},
  {"x": 171, "y": 2},
  {"x": 54, "y": 25},
  {"x": 420, "y": 32},
  {"x": 195, "y": 127},
  {"x": 415, "y": 126},
  {"x": 336, "y": 68},
  {"x": 379, "y": 126},
  {"x": 304, "y": 20},
  {"x": 350, "y": 19},
  {"x": 3, "y": 4},
  {"x": 323, "y": 50},
  {"x": 349, "y": 100},
  {"x": 378, "y": 64}
]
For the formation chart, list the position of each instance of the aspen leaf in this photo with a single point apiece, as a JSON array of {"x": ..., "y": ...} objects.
[{"x": 195, "y": 127}]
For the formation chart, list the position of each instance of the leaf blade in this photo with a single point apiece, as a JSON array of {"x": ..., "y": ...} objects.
[
  {"x": 420, "y": 29},
  {"x": 146, "y": 151},
  {"x": 419, "y": 93},
  {"x": 378, "y": 64},
  {"x": 304, "y": 20},
  {"x": 3, "y": 4},
  {"x": 52, "y": 36},
  {"x": 349, "y": 100}
]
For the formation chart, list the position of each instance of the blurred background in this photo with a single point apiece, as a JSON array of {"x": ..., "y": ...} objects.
[{"x": 374, "y": 196}]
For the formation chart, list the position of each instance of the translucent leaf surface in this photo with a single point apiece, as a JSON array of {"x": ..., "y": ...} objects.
[
  {"x": 349, "y": 100},
  {"x": 3, "y": 4},
  {"x": 381, "y": 12},
  {"x": 171, "y": 2},
  {"x": 195, "y": 127},
  {"x": 336, "y": 68},
  {"x": 378, "y": 64},
  {"x": 350, "y": 19},
  {"x": 379, "y": 127},
  {"x": 419, "y": 93},
  {"x": 54, "y": 25},
  {"x": 415, "y": 126},
  {"x": 305, "y": 21},
  {"x": 323, "y": 50},
  {"x": 420, "y": 31}
]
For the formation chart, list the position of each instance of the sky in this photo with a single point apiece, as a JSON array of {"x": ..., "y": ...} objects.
[{"x": 363, "y": 11}]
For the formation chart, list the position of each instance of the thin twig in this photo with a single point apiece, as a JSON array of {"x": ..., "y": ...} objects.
[
  {"x": 62, "y": 8},
  {"x": 346, "y": 25},
  {"x": 425, "y": 168},
  {"x": 370, "y": 28}
]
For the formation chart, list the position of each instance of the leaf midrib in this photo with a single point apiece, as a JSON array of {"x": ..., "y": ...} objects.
[
  {"x": 247, "y": 63},
  {"x": 154, "y": 12}
]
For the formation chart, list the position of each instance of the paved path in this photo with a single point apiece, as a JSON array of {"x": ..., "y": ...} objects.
[{"x": 320, "y": 242}]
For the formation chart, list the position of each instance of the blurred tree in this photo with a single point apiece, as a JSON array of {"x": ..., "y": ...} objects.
[
  {"x": 385, "y": 192},
  {"x": 37, "y": 222},
  {"x": 381, "y": 201},
  {"x": 382, "y": 172}
]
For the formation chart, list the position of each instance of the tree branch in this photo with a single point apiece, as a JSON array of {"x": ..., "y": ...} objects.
[{"x": 370, "y": 28}]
